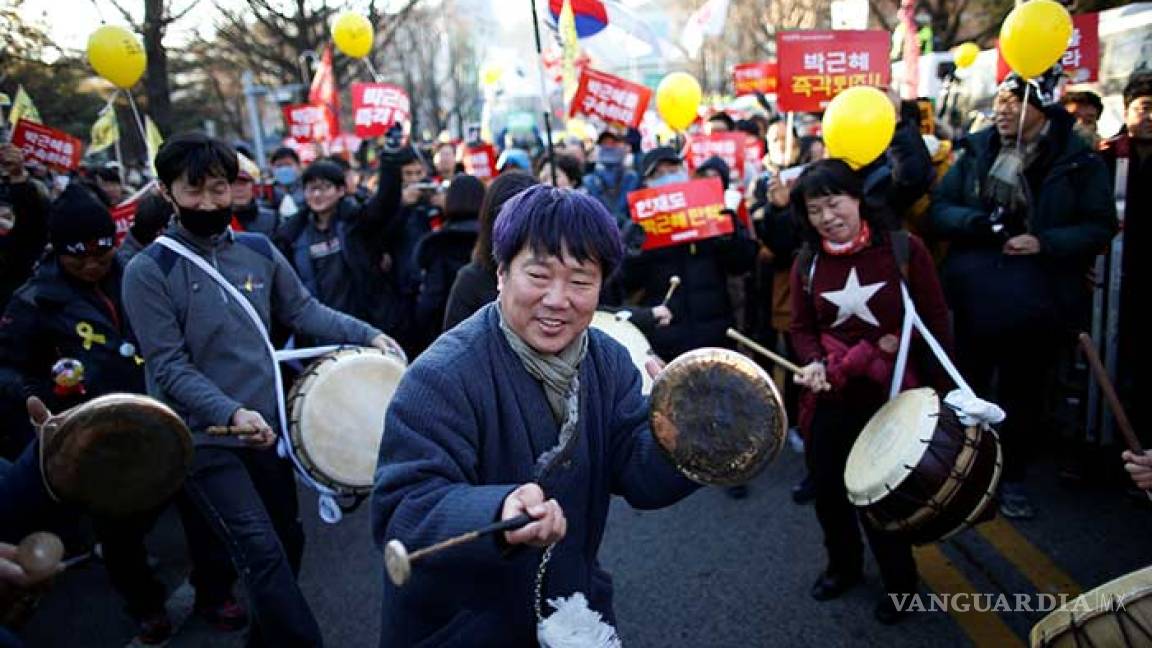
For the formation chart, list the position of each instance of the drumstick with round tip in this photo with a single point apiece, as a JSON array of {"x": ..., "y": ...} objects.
[
  {"x": 231, "y": 430},
  {"x": 774, "y": 357},
  {"x": 398, "y": 562},
  {"x": 673, "y": 284}
]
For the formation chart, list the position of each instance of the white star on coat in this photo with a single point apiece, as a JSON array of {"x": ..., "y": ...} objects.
[{"x": 852, "y": 299}]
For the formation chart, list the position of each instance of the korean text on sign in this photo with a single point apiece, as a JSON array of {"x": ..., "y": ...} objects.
[
  {"x": 815, "y": 66},
  {"x": 726, "y": 146},
  {"x": 53, "y": 148},
  {"x": 480, "y": 161},
  {"x": 750, "y": 78},
  {"x": 610, "y": 98},
  {"x": 680, "y": 213},
  {"x": 309, "y": 123},
  {"x": 376, "y": 106}
]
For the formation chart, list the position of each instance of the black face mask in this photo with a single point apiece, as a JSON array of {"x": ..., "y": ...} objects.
[{"x": 203, "y": 222}]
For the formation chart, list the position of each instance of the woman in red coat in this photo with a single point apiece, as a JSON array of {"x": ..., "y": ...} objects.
[{"x": 847, "y": 315}]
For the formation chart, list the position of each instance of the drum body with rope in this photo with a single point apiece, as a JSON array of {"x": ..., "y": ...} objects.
[
  {"x": 631, "y": 338},
  {"x": 336, "y": 416},
  {"x": 918, "y": 472},
  {"x": 1118, "y": 613},
  {"x": 115, "y": 455},
  {"x": 718, "y": 416}
]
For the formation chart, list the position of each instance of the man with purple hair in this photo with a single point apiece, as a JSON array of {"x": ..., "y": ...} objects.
[{"x": 522, "y": 408}]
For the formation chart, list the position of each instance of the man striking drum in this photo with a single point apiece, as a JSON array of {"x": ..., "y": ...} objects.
[
  {"x": 519, "y": 409},
  {"x": 207, "y": 356}
]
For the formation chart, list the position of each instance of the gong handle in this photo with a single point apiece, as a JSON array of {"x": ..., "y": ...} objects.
[
  {"x": 774, "y": 357},
  {"x": 495, "y": 527},
  {"x": 673, "y": 284},
  {"x": 231, "y": 430}
]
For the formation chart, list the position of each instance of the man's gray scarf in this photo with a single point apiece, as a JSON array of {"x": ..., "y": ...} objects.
[{"x": 559, "y": 376}]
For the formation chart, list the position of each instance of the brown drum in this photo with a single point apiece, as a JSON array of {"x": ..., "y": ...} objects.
[
  {"x": 718, "y": 416},
  {"x": 1118, "y": 613},
  {"x": 918, "y": 472},
  {"x": 115, "y": 455}
]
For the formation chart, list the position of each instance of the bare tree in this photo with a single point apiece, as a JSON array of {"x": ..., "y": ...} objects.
[{"x": 158, "y": 16}]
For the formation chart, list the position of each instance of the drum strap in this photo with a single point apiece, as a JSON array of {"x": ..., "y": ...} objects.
[
  {"x": 912, "y": 319},
  {"x": 330, "y": 511}
]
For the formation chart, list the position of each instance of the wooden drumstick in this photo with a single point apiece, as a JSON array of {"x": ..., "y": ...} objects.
[
  {"x": 231, "y": 430},
  {"x": 398, "y": 562},
  {"x": 774, "y": 357},
  {"x": 1126, "y": 429},
  {"x": 673, "y": 284}
]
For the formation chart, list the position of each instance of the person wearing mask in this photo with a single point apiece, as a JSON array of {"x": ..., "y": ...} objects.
[
  {"x": 287, "y": 191},
  {"x": 248, "y": 213},
  {"x": 612, "y": 181},
  {"x": 69, "y": 317},
  {"x": 475, "y": 283},
  {"x": 201, "y": 300},
  {"x": 1024, "y": 210}
]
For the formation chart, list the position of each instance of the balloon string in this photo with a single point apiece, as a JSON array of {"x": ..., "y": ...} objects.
[
  {"x": 139, "y": 122},
  {"x": 371, "y": 69},
  {"x": 1023, "y": 108}
]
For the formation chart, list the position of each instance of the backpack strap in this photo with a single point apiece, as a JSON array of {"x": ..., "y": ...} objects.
[
  {"x": 805, "y": 260},
  {"x": 900, "y": 250}
]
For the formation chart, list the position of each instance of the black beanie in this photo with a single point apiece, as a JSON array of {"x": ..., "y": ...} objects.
[
  {"x": 464, "y": 197},
  {"x": 324, "y": 170},
  {"x": 78, "y": 217}
]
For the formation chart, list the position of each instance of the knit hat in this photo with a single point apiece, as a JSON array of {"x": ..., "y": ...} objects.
[
  {"x": 464, "y": 197},
  {"x": 717, "y": 164},
  {"x": 658, "y": 155},
  {"x": 1041, "y": 88},
  {"x": 78, "y": 217},
  {"x": 323, "y": 170}
]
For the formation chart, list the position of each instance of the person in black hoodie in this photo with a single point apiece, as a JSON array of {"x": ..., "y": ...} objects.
[
  {"x": 441, "y": 254},
  {"x": 70, "y": 315},
  {"x": 1025, "y": 208}
]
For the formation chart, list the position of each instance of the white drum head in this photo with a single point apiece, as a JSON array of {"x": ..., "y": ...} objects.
[
  {"x": 891, "y": 445},
  {"x": 338, "y": 414},
  {"x": 630, "y": 338},
  {"x": 1096, "y": 615}
]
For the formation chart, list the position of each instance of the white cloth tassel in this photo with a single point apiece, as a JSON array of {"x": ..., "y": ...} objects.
[
  {"x": 575, "y": 625},
  {"x": 972, "y": 410}
]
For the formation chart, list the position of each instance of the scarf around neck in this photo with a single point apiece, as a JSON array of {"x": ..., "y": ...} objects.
[{"x": 555, "y": 372}]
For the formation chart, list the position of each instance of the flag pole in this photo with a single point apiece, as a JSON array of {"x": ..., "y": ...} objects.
[{"x": 544, "y": 94}]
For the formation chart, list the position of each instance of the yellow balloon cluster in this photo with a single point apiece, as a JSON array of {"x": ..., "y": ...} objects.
[
  {"x": 678, "y": 99},
  {"x": 352, "y": 34},
  {"x": 1034, "y": 36},
  {"x": 116, "y": 55},
  {"x": 858, "y": 125},
  {"x": 965, "y": 54}
]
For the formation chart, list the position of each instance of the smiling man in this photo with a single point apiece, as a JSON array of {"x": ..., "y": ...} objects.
[{"x": 521, "y": 408}]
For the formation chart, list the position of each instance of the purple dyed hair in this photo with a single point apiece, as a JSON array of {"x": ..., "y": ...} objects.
[{"x": 549, "y": 220}]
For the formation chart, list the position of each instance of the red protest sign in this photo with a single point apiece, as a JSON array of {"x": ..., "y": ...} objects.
[
  {"x": 680, "y": 213},
  {"x": 1082, "y": 60},
  {"x": 124, "y": 214},
  {"x": 726, "y": 146},
  {"x": 480, "y": 161},
  {"x": 376, "y": 106},
  {"x": 309, "y": 123},
  {"x": 750, "y": 78},
  {"x": 610, "y": 98},
  {"x": 816, "y": 65},
  {"x": 54, "y": 148}
]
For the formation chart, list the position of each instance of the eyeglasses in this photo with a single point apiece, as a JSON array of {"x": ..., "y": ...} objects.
[
  {"x": 320, "y": 187},
  {"x": 94, "y": 247}
]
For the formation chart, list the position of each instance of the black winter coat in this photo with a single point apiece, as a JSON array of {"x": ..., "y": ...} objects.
[{"x": 440, "y": 255}]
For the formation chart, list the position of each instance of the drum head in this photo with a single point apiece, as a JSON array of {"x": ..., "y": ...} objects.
[
  {"x": 718, "y": 416},
  {"x": 116, "y": 455},
  {"x": 891, "y": 445},
  {"x": 630, "y": 338},
  {"x": 337, "y": 415},
  {"x": 1118, "y": 613}
]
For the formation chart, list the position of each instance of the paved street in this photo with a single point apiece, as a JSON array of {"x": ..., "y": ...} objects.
[{"x": 710, "y": 572}]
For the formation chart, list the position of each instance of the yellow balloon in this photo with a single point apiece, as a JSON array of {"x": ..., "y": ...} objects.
[
  {"x": 352, "y": 34},
  {"x": 858, "y": 125},
  {"x": 965, "y": 54},
  {"x": 116, "y": 55},
  {"x": 1034, "y": 36},
  {"x": 678, "y": 99},
  {"x": 490, "y": 75}
]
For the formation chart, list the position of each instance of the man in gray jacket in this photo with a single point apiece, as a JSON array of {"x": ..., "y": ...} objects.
[{"x": 208, "y": 357}]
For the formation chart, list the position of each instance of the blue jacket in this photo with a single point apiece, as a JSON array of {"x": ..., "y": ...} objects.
[
  {"x": 463, "y": 430},
  {"x": 612, "y": 191}
]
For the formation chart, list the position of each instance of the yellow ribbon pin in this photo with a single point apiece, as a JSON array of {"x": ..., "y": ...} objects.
[{"x": 89, "y": 335}]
